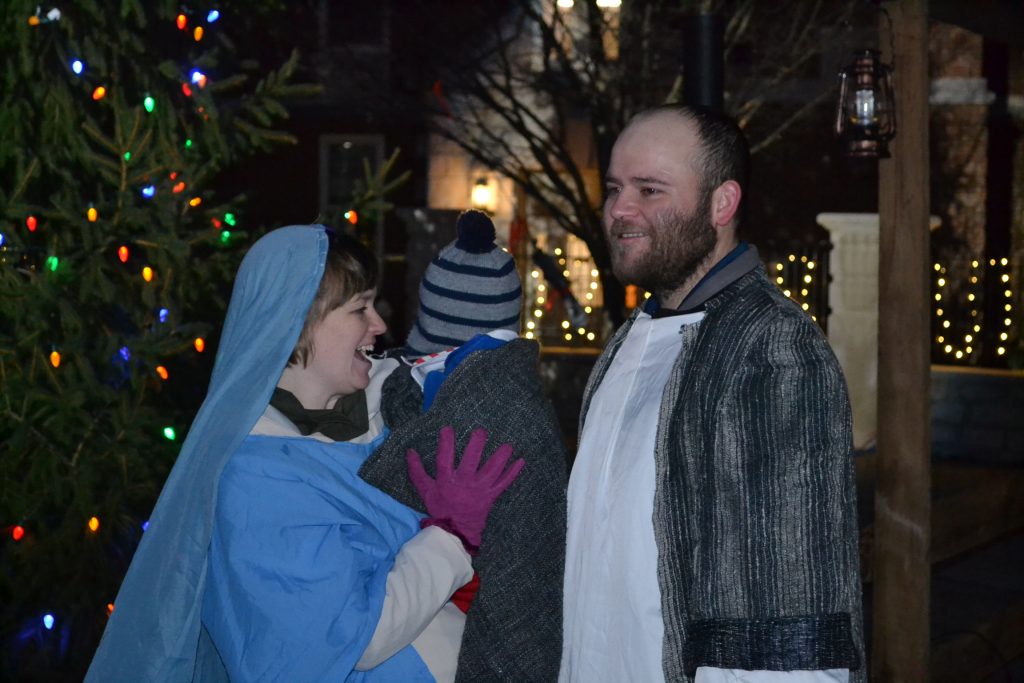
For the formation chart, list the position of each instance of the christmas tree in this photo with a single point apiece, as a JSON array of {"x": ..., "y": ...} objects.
[{"x": 115, "y": 263}]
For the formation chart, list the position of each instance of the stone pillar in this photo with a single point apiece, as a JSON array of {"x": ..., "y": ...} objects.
[{"x": 853, "y": 318}]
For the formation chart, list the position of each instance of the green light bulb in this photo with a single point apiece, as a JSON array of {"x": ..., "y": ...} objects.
[
  {"x": 229, "y": 218},
  {"x": 52, "y": 263},
  {"x": 149, "y": 103},
  {"x": 169, "y": 433}
]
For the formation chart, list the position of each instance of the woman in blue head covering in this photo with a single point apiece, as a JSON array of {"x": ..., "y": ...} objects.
[{"x": 267, "y": 558}]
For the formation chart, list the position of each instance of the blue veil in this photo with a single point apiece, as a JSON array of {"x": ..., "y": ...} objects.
[{"x": 154, "y": 631}]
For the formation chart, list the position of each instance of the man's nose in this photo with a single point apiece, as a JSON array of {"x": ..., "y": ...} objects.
[{"x": 621, "y": 205}]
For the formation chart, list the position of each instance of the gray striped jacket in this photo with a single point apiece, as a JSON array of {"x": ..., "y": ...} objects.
[{"x": 755, "y": 508}]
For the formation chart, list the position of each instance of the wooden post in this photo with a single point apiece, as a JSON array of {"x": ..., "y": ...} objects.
[{"x": 902, "y": 500}]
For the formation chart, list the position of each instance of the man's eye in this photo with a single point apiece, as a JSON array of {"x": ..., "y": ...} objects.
[
  {"x": 611, "y": 190},
  {"x": 648, "y": 191}
]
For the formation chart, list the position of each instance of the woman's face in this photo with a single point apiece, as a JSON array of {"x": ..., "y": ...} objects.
[{"x": 338, "y": 362}]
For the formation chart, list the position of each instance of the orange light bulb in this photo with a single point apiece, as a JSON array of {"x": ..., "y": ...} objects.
[
  {"x": 122, "y": 253},
  {"x": 200, "y": 344},
  {"x": 99, "y": 93},
  {"x": 94, "y": 524},
  {"x": 162, "y": 371},
  {"x": 55, "y": 359},
  {"x": 182, "y": 22},
  {"x": 147, "y": 274},
  {"x": 92, "y": 214}
]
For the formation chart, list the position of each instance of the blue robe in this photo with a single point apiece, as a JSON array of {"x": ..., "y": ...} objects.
[{"x": 298, "y": 562}]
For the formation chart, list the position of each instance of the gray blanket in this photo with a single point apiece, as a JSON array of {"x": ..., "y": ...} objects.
[{"x": 514, "y": 627}]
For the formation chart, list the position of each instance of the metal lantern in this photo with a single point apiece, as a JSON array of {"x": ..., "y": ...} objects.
[{"x": 866, "y": 115}]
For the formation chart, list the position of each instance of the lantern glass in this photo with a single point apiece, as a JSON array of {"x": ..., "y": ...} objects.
[
  {"x": 866, "y": 113},
  {"x": 482, "y": 196}
]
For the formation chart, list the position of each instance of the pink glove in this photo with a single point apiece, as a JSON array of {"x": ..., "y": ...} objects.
[{"x": 459, "y": 500}]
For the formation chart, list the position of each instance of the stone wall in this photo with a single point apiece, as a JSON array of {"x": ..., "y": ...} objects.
[{"x": 978, "y": 415}]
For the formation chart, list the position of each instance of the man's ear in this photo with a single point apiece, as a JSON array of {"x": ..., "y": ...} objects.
[{"x": 725, "y": 203}]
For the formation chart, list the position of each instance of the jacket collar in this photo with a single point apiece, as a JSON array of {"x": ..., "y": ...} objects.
[{"x": 732, "y": 267}]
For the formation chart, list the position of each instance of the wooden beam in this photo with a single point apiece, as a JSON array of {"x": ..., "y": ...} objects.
[{"x": 902, "y": 500}]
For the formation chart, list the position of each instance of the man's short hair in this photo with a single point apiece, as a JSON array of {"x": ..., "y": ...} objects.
[
  {"x": 350, "y": 269},
  {"x": 725, "y": 154}
]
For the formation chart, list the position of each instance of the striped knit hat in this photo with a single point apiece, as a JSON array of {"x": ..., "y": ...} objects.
[{"x": 471, "y": 287}]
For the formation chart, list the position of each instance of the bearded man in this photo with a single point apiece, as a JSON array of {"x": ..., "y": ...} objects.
[{"x": 712, "y": 532}]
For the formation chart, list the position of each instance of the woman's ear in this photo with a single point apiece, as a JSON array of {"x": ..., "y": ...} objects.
[{"x": 725, "y": 203}]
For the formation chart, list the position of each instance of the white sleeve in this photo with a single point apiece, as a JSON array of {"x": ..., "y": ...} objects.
[
  {"x": 707, "y": 674},
  {"x": 428, "y": 569}
]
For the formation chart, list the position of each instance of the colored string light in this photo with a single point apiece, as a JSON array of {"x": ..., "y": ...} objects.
[
  {"x": 48, "y": 621},
  {"x": 125, "y": 353},
  {"x": 352, "y": 217},
  {"x": 99, "y": 93},
  {"x": 169, "y": 433},
  {"x": 188, "y": 143},
  {"x": 92, "y": 214},
  {"x": 200, "y": 344},
  {"x": 148, "y": 191},
  {"x": 127, "y": 156},
  {"x": 179, "y": 187},
  {"x": 216, "y": 222},
  {"x": 182, "y": 22},
  {"x": 2, "y": 239},
  {"x": 149, "y": 103},
  {"x": 77, "y": 65},
  {"x": 225, "y": 236},
  {"x": 162, "y": 372},
  {"x": 162, "y": 314},
  {"x": 110, "y": 608},
  {"x": 195, "y": 201},
  {"x": 229, "y": 218},
  {"x": 52, "y": 262},
  {"x": 31, "y": 223},
  {"x": 122, "y": 253},
  {"x": 213, "y": 16},
  {"x": 187, "y": 90},
  {"x": 18, "y": 533},
  {"x": 197, "y": 33},
  {"x": 145, "y": 525},
  {"x": 94, "y": 524},
  {"x": 147, "y": 274}
]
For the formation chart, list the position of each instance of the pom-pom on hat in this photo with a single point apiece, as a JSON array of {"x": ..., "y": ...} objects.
[{"x": 471, "y": 287}]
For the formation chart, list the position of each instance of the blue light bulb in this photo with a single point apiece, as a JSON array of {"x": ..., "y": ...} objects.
[
  {"x": 163, "y": 315},
  {"x": 48, "y": 621},
  {"x": 77, "y": 65},
  {"x": 145, "y": 525},
  {"x": 125, "y": 353},
  {"x": 196, "y": 75},
  {"x": 148, "y": 191},
  {"x": 213, "y": 16}
]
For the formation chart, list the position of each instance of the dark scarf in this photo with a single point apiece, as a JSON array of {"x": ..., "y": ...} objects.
[{"x": 345, "y": 421}]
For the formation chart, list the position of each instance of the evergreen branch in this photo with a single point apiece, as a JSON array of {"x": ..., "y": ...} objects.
[{"x": 33, "y": 165}]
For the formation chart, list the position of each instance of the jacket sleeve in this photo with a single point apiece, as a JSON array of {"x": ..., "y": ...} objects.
[{"x": 784, "y": 575}]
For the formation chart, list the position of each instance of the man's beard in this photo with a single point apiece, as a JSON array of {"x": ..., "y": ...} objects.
[{"x": 679, "y": 244}]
